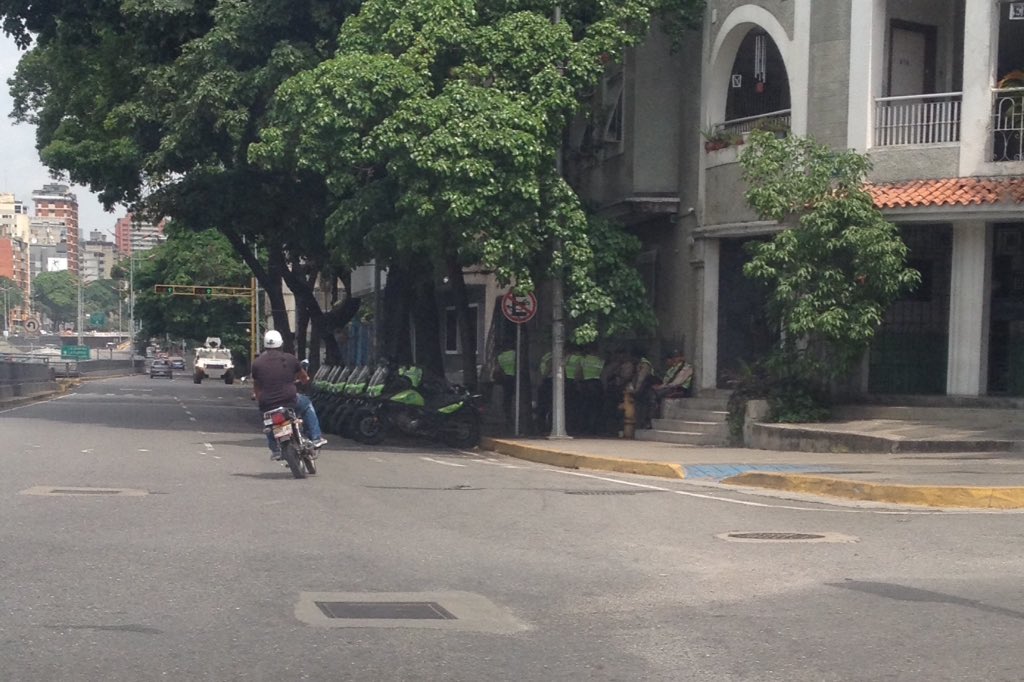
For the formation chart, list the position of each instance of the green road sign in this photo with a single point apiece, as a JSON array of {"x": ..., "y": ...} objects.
[{"x": 74, "y": 352}]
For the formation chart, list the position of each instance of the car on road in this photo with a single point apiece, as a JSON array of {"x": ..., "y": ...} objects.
[
  {"x": 177, "y": 362},
  {"x": 161, "y": 368}
]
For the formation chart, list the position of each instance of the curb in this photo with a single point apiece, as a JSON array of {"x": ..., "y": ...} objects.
[
  {"x": 923, "y": 495},
  {"x": 21, "y": 401},
  {"x": 572, "y": 460},
  {"x": 802, "y": 439}
]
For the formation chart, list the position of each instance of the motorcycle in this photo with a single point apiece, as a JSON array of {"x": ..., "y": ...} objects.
[
  {"x": 297, "y": 451},
  {"x": 451, "y": 415}
]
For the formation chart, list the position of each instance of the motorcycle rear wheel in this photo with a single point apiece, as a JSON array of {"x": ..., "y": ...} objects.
[
  {"x": 291, "y": 458},
  {"x": 308, "y": 462},
  {"x": 368, "y": 427},
  {"x": 461, "y": 431}
]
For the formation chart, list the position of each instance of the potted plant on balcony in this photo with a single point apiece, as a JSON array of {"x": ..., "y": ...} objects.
[
  {"x": 774, "y": 125},
  {"x": 719, "y": 138}
]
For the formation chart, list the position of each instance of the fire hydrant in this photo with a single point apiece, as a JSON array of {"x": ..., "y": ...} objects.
[{"x": 628, "y": 408}]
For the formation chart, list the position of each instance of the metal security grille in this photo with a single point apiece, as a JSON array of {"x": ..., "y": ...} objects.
[
  {"x": 909, "y": 353},
  {"x": 365, "y": 610}
]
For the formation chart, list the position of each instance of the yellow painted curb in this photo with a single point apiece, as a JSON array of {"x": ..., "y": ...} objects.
[
  {"x": 923, "y": 495},
  {"x": 572, "y": 460}
]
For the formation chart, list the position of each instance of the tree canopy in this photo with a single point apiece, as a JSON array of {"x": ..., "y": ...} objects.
[
  {"x": 420, "y": 133},
  {"x": 837, "y": 268},
  {"x": 56, "y": 294},
  {"x": 194, "y": 259}
]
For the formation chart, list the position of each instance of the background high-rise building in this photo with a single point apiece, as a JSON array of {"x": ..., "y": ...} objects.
[
  {"x": 98, "y": 256},
  {"x": 132, "y": 234},
  {"x": 56, "y": 202},
  {"x": 14, "y": 239}
]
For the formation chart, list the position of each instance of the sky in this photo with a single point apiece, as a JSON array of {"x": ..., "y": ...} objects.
[{"x": 20, "y": 168}]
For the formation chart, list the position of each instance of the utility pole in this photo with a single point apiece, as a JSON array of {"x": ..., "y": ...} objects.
[
  {"x": 557, "y": 323},
  {"x": 78, "y": 321}
]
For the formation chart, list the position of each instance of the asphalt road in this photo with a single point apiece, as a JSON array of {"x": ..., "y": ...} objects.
[{"x": 146, "y": 535}]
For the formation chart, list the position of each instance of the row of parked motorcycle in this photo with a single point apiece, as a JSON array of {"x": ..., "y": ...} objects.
[{"x": 367, "y": 403}]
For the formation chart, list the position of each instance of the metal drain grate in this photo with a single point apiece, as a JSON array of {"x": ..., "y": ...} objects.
[
  {"x": 411, "y": 610},
  {"x": 776, "y": 536}
]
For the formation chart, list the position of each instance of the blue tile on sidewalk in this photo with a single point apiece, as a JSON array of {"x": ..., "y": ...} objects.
[{"x": 718, "y": 472}]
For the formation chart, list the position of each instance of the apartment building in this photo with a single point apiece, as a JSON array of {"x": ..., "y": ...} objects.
[
  {"x": 55, "y": 202},
  {"x": 14, "y": 239},
  {"x": 98, "y": 257},
  {"x": 133, "y": 234},
  {"x": 931, "y": 90}
]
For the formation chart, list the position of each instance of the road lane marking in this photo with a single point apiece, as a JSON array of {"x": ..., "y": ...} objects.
[
  {"x": 191, "y": 419},
  {"x": 437, "y": 461},
  {"x": 208, "y": 446},
  {"x": 751, "y": 503}
]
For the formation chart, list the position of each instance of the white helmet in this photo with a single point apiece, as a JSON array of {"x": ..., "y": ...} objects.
[{"x": 272, "y": 339}]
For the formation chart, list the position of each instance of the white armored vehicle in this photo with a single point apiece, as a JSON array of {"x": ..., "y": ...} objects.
[{"x": 213, "y": 361}]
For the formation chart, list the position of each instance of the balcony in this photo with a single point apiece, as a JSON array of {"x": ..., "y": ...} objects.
[
  {"x": 1007, "y": 124},
  {"x": 917, "y": 119},
  {"x": 773, "y": 121}
]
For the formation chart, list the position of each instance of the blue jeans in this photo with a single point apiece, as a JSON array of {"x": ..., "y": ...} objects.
[{"x": 311, "y": 423}]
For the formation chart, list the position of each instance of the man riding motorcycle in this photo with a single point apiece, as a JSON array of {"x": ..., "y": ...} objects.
[{"x": 274, "y": 374}]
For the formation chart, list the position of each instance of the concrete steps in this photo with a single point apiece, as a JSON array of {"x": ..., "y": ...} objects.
[{"x": 690, "y": 421}]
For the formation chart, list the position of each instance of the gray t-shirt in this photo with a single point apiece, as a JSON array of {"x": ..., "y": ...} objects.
[{"x": 274, "y": 371}]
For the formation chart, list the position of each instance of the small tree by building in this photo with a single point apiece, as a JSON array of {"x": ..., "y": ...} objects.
[{"x": 831, "y": 274}]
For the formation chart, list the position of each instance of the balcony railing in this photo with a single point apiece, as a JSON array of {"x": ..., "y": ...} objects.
[
  {"x": 917, "y": 119},
  {"x": 1007, "y": 124},
  {"x": 773, "y": 120}
]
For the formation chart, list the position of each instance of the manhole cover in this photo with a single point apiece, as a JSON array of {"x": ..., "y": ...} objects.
[
  {"x": 422, "y": 610},
  {"x": 769, "y": 536},
  {"x": 776, "y": 536}
]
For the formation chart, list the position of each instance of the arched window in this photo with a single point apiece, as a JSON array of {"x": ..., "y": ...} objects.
[{"x": 758, "y": 83}]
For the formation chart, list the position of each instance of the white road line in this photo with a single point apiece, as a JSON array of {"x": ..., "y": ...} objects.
[
  {"x": 191, "y": 419},
  {"x": 437, "y": 461},
  {"x": 750, "y": 503},
  {"x": 41, "y": 402},
  {"x": 208, "y": 446}
]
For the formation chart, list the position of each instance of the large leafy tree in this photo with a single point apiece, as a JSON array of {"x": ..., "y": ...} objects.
[
  {"x": 836, "y": 269},
  {"x": 436, "y": 128},
  {"x": 154, "y": 104},
  {"x": 56, "y": 294}
]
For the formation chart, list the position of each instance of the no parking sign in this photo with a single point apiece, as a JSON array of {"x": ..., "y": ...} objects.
[{"x": 519, "y": 308}]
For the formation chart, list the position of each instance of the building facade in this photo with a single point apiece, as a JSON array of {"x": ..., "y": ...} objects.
[
  {"x": 55, "y": 202},
  {"x": 132, "y": 235},
  {"x": 931, "y": 90},
  {"x": 98, "y": 257}
]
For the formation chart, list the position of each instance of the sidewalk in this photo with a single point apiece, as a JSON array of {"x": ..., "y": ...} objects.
[{"x": 980, "y": 480}]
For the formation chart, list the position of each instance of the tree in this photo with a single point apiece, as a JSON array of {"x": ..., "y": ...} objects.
[
  {"x": 10, "y": 289},
  {"x": 191, "y": 258},
  {"x": 56, "y": 294},
  {"x": 837, "y": 267},
  {"x": 155, "y": 104},
  {"x": 436, "y": 127}
]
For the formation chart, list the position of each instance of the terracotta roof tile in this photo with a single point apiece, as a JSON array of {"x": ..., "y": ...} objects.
[{"x": 948, "y": 192}]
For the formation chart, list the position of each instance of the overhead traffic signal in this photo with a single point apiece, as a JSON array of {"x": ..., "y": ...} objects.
[{"x": 207, "y": 292}]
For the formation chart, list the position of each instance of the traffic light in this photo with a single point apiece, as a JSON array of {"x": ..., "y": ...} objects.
[
  {"x": 203, "y": 291},
  {"x": 164, "y": 289}
]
